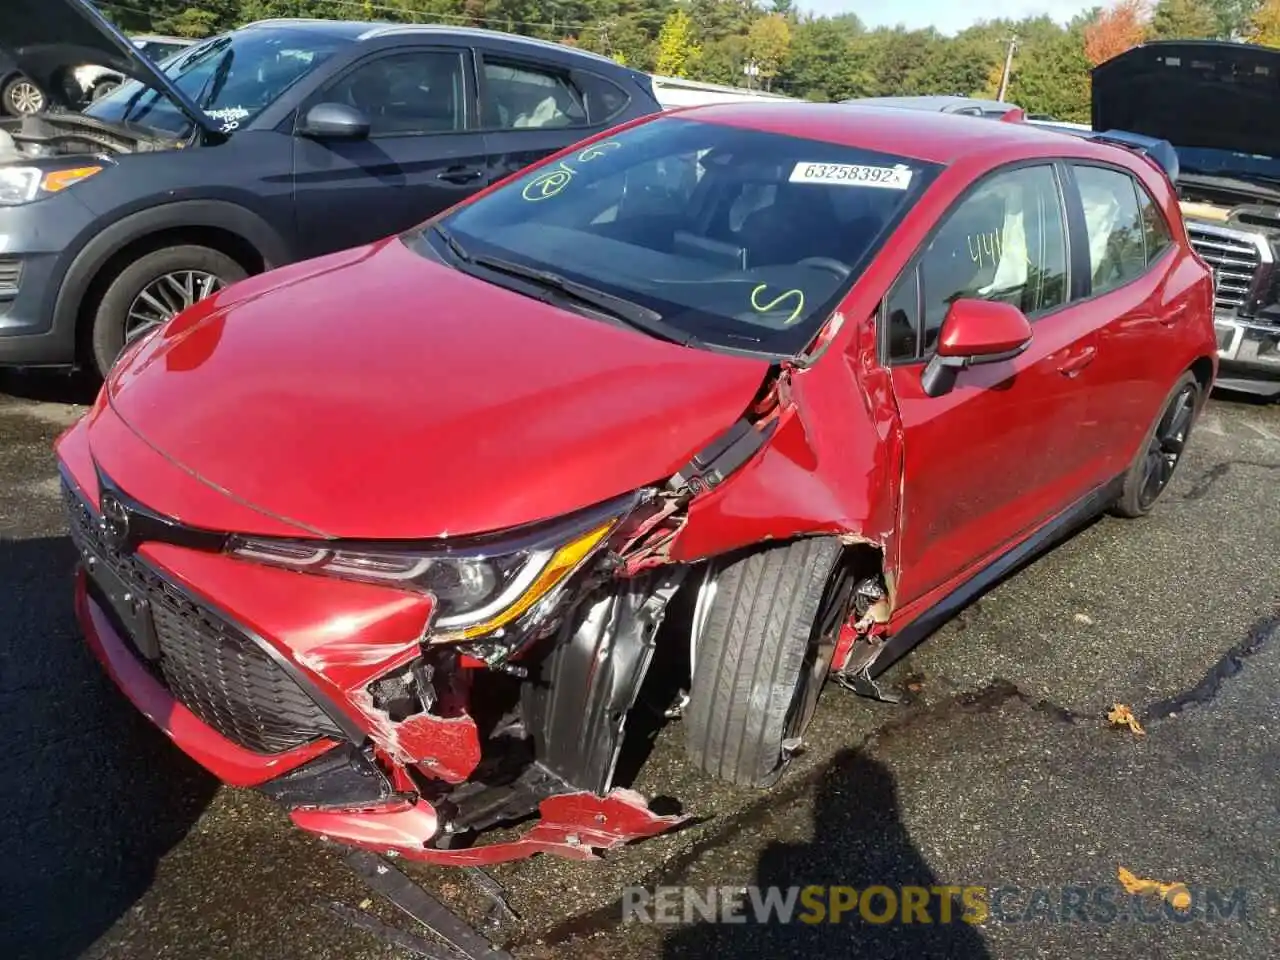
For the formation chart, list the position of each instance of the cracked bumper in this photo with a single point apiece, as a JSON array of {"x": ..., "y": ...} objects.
[{"x": 342, "y": 793}]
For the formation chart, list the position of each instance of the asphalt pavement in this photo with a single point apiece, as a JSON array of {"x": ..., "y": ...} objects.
[{"x": 999, "y": 772}]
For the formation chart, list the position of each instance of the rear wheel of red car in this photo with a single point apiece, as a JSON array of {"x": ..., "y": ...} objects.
[
  {"x": 152, "y": 290},
  {"x": 762, "y": 649},
  {"x": 1161, "y": 452}
]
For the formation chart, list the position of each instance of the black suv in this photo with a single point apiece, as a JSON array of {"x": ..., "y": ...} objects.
[{"x": 280, "y": 141}]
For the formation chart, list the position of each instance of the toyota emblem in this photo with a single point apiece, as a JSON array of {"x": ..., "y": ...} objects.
[{"x": 115, "y": 520}]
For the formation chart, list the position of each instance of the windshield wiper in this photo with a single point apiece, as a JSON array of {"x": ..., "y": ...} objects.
[
  {"x": 629, "y": 312},
  {"x": 457, "y": 249}
]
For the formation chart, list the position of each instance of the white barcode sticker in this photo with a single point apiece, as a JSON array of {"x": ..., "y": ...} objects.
[{"x": 853, "y": 175}]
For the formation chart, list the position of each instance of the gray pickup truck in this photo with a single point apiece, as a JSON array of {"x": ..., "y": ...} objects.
[{"x": 1212, "y": 100}]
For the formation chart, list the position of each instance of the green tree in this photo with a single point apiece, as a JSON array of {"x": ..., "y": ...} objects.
[
  {"x": 675, "y": 45},
  {"x": 768, "y": 44},
  {"x": 1183, "y": 19},
  {"x": 827, "y": 61},
  {"x": 1235, "y": 17}
]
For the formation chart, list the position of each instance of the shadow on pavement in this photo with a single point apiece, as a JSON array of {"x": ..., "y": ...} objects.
[
  {"x": 51, "y": 386},
  {"x": 860, "y": 843},
  {"x": 92, "y": 795}
]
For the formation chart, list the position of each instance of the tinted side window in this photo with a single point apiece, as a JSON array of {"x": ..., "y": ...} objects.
[
  {"x": 1155, "y": 229},
  {"x": 518, "y": 96},
  {"x": 1117, "y": 249},
  {"x": 1005, "y": 241},
  {"x": 419, "y": 91},
  {"x": 604, "y": 99},
  {"x": 902, "y": 317}
]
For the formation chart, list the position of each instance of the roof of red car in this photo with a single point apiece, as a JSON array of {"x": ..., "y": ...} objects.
[{"x": 936, "y": 137}]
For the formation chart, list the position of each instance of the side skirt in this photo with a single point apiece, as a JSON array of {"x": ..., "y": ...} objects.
[{"x": 861, "y": 677}]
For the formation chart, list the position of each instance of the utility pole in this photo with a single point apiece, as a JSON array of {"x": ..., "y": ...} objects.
[{"x": 1008, "y": 69}]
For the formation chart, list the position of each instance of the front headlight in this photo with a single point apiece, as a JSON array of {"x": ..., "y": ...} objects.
[
  {"x": 24, "y": 184},
  {"x": 476, "y": 589}
]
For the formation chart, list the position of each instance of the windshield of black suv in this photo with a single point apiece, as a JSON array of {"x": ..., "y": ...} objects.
[
  {"x": 1228, "y": 163},
  {"x": 736, "y": 237},
  {"x": 233, "y": 78}
]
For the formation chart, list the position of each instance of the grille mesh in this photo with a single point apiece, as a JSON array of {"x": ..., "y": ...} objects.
[
  {"x": 219, "y": 674},
  {"x": 1234, "y": 257}
]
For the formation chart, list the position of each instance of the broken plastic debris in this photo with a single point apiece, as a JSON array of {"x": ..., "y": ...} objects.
[
  {"x": 1121, "y": 716},
  {"x": 1176, "y": 894}
]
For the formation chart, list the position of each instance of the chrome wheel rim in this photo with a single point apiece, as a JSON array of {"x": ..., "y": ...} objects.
[
  {"x": 165, "y": 297},
  {"x": 1167, "y": 443},
  {"x": 26, "y": 97}
]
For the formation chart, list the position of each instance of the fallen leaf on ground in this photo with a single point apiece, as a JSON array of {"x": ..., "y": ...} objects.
[
  {"x": 1121, "y": 716},
  {"x": 366, "y": 904},
  {"x": 1177, "y": 894}
]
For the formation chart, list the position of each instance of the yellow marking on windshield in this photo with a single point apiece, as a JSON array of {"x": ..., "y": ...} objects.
[
  {"x": 793, "y": 294},
  {"x": 548, "y": 184},
  {"x": 598, "y": 150}
]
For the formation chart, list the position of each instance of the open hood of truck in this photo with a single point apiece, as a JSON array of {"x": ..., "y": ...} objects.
[
  {"x": 1193, "y": 93},
  {"x": 47, "y": 39}
]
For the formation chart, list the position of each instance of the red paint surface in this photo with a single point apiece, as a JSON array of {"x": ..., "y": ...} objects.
[{"x": 375, "y": 394}]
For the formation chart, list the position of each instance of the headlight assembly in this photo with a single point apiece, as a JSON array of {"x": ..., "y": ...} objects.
[
  {"x": 477, "y": 589},
  {"x": 20, "y": 185}
]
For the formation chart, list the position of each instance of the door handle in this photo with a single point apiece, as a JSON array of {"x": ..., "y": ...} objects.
[
  {"x": 1074, "y": 364},
  {"x": 461, "y": 174}
]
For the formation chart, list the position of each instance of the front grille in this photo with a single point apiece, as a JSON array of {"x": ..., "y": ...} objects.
[
  {"x": 217, "y": 672},
  {"x": 10, "y": 275},
  {"x": 1234, "y": 256}
]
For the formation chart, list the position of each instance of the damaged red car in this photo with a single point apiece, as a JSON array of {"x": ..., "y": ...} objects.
[{"x": 759, "y": 393}]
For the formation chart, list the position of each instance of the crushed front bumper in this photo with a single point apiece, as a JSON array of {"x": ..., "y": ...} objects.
[{"x": 279, "y": 697}]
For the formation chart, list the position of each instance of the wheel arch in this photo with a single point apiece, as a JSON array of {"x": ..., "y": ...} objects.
[
  {"x": 1203, "y": 370},
  {"x": 226, "y": 227}
]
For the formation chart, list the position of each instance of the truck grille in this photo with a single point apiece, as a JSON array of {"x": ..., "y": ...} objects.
[
  {"x": 1234, "y": 256},
  {"x": 217, "y": 672}
]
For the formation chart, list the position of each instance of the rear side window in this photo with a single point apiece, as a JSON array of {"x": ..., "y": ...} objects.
[
  {"x": 604, "y": 99},
  {"x": 1116, "y": 232},
  {"x": 1155, "y": 229},
  {"x": 519, "y": 96}
]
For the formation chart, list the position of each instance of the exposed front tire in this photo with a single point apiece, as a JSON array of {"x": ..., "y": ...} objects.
[
  {"x": 103, "y": 88},
  {"x": 761, "y": 657},
  {"x": 1149, "y": 475},
  {"x": 22, "y": 97},
  {"x": 152, "y": 290}
]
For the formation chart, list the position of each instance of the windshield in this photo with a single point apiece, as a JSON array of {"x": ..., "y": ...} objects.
[
  {"x": 233, "y": 78},
  {"x": 737, "y": 237},
  {"x": 1228, "y": 163}
]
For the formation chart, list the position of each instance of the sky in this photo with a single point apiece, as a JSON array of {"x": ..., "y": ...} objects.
[{"x": 947, "y": 15}]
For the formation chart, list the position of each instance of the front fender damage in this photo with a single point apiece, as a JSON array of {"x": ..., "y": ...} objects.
[
  {"x": 456, "y": 751},
  {"x": 488, "y": 736}
]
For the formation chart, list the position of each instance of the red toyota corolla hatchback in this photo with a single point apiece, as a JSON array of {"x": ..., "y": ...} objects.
[{"x": 390, "y": 534}]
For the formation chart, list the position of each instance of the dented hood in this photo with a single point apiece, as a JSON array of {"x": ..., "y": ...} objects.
[
  {"x": 377, "y": 394},
  {"x": 1193, "y": 93},
  {"x": 47, "y": 39}
]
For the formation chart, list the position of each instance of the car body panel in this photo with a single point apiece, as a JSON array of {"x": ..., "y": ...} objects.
[
  {"x": 442, "y": 448},
  {"x": 379, "y": 394},
  {"x": 1193, "y": 93}
]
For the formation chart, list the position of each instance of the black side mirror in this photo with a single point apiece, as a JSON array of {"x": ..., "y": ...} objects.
[{"x": 334, "y": 121}]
